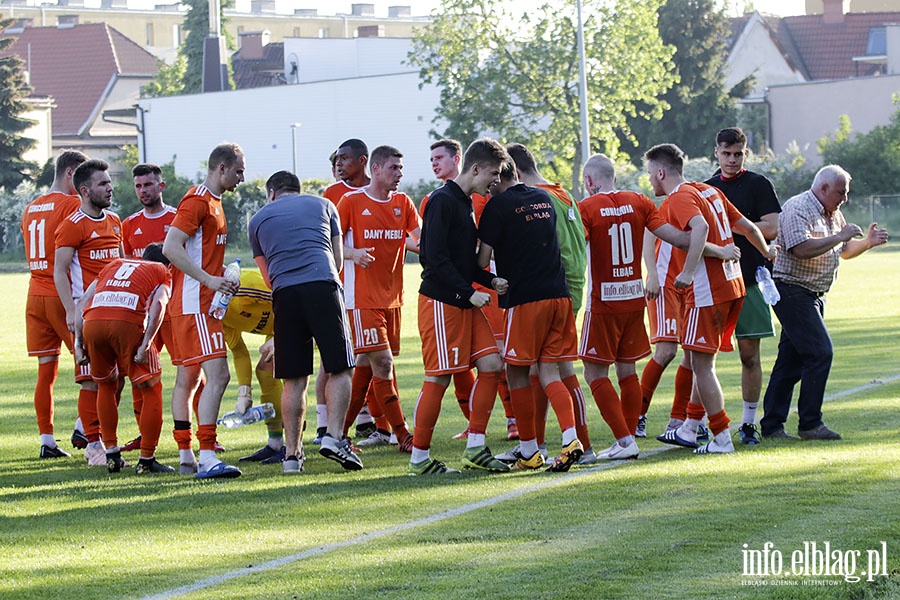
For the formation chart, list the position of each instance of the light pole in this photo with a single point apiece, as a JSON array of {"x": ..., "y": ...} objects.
[
  {"x": 294, "y": 127},
  {"x": 582, "y": 90}
]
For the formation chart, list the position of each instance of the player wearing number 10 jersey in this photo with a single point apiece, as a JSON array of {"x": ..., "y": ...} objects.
[
  {"x": 614, "y": 331},
  {"x": 45, "y": 317}
]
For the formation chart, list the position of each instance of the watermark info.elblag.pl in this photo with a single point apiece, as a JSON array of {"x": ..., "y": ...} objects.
[{"x": 812, "y": 563}]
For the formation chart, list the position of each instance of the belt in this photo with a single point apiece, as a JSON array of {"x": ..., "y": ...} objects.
[{"x": 806, "y": 290}]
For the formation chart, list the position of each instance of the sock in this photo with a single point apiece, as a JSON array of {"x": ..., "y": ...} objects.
[
  {"x": 528, "y": 448},
  {"x": 684, "y": 383},
  {"x": 541, "y": 406},
  {"x": 428, "y": 407},
  {"x": 206, "y": 436},
  {"x": 182, "y": 434},
  {"x": 523, "y": 405},
  {"x": 78, "y": 425},
  {"x": 503, "y": 392},
  {"x": 750, "y": 412},
  {"x": 362, "y": 377},
  {"x": 561, "y": 402},
  {"x": 695, "y": 412},
  {"x": 151, "y": 418},
  {"x": 610, "y": 406},
  {"x": 474, "y": 440},
  {"x": 186, "y": 457},
  {"x": 569, "y": 436},
  {"x": 386, "y": 395},
  {"x": 419, "y": 455},
  {"x": 137, "y": 402},
  {"x": 208, "y": 458},
  {"x": 275, "y": 443},
  {"x": 649, "y": 381},
  {"x": 574, "y": 387},
  {"x": 43, "y": 397},
  {"x": 108, "y": 412},
  {"x": 630, "y": 392},
  {"x": 718, "y": 422},
  {"x": 484, "y": 392},
  {"x": 321, "y": 416},
  {"x": 364, "y": 417},
  {"x": 690, "y": 426},
  {"x": 48, "y": 440},
  {"x": 463, "y": 384},
  {"x": 87, "y": 412}
]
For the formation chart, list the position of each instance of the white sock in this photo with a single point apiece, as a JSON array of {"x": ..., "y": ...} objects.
[
  {"x": 626, "y": 441},
  {"x": 691, "y": 425},
  {"x": 112, "y": 450},
  {"x": 48, "y": 440},
  {"x": 568, "y": 436},
  {"x": 321, "y": 415},
  {"x": 78, "y": 425},
  {"x": 474, "y": 440},
  {"x": 510, "y": 421},
  {"x": 94, "y": 446},
  {"x": 528, "y": 448},
  {"x": 208, "y": 459},
  {"x": 276, "y": 443},
  {"x": 750, "y": 412},
  {"x": 186, "y": 456},
  {"x": 364, "y": 416},
  {"x": 721, "y": 438},
  {"x": 419, "y": 455}
]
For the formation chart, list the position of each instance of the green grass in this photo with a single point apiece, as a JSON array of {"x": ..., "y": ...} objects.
[{"x": 669, "y": 525}]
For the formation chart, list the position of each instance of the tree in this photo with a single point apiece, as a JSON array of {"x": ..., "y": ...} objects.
[
  {"x": 516, "y": 77},
  {"x": 196, "y": 23},
  {"x": 699, "y": 105},
  {"x": 13, "y": 145},
  {"x": 169, "y": 80}
]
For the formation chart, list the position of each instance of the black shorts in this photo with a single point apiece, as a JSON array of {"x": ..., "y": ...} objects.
[{"x": 307, "y": 312}]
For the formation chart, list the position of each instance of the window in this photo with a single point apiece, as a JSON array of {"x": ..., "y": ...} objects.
[{"x": 877, "y": 44}]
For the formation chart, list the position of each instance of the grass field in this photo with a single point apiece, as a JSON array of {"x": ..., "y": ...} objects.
[{"x": 669, "y": 525}]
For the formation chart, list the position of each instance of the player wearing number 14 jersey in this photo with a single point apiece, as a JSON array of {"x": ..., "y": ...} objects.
[{"x": 45, "y": 317}]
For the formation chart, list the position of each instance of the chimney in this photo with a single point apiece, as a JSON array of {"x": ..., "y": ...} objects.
[
  {"x": 253, "y": 43},
  {"x": 114, "y": 4},
  {"x": 892, "y": 31},
  {"x": 362, "y": 10},
  {"x": 832, "y": 11},
  {"x": 72, "y": 3},
  {"x": 367, "y": 31},
  {"x": 396, "y": 12},
  {"x": 306, "y": 12},
  {"x": 66, "y": 21},
  {"x": 20, "y": 25}
]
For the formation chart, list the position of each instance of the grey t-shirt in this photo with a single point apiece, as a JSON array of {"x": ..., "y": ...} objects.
[{"x": 294, "y": 234}]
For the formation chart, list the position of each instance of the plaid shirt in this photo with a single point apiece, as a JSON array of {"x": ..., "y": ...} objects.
[{"x": 803, "y": 217}]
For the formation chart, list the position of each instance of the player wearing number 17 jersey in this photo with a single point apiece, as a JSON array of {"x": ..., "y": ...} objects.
[
  {"x": 45, "y": 317},
  {"x": 614, "y": 330}
]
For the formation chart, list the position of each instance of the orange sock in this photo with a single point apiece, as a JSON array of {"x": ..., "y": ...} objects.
[
  {"x": 151, "y": 419},
  {"x": 718, "y": 422},
  {"x": 684, "y": 383},
  {"x": 108, "y": 412},
  {"x": 649, "y": 381},
  {"x": 385, "y": 392},
  {"x": 206, "y": 436},
  {"x": 695, "y": 411},
  {"x": 137, "y": 401},
  {"x": 484, "y": 393},
  {"x": 428, "y": 407},
  {"x": 610, "y": 406},
  {"x": 87, "y": 412},
  {"x": 522, "y": 401},
  {"x": 503, "y": 392},
  {"x": 630, "y": 390},
  {"x": 463, "y": 384},
  {"x": 362, "y": 376},
  {"x": 182, "y": 435},
  {"x": 540, "y": 408},
  {"x": 43, "y": 395},
  {"x": 572, "y": 384},
  {"x": 561, "y": 402}
]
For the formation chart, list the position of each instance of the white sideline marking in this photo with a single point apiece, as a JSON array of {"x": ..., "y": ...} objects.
[{"x": 455, "y": 512}]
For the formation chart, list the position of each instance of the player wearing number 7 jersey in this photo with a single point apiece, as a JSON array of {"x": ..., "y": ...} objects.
[
  {"x": 614, "y": 330},
  {"x": 45, "y": 317}
]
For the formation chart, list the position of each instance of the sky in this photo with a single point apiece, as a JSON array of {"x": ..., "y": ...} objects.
[{"x": 424, "y": 7}]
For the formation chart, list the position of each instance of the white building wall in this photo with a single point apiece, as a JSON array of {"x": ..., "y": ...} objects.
[
  {"x": 333, "y": 58},
  {"x": 804, "y": 113},
  {"x": 39, "y": 111},
  {"x": 379, "y": 110},
  {"x": 755, "y": 53}
]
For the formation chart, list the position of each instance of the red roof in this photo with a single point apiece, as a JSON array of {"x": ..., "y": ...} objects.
[
  {"x": 827, "y": 49},
  {"x": 75, "y": 65}
]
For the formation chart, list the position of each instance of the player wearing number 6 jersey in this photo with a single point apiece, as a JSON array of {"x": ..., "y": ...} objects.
[
  {"x": 45, "y": 317},
  {"x": 614, "y": 330},
  {"x": 715, "y": 289}
]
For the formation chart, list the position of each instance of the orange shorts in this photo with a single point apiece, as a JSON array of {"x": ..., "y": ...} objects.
[
  {"x": 541, "y": 331},
  {"x": 164, "y": 338},
  {"x": 375, "y": 329},
  {"x": 453, "y": 338},
  {"x": 666, "y": 316},
  {"x": 196, "y": 339},
  {"x": 111, "y": 346},
  {"x": 45, "y": 326},
  {"x": 709, "y": 329},
  {"x": 618, "y": 337},
  {"x": 495, "y": 315}
]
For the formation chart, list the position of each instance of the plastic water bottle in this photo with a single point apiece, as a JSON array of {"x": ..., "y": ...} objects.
[
  {"x": 220, "y": 300},
  {"x": 253, "y": 414},
  {"x": 767, "y": 285}
]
